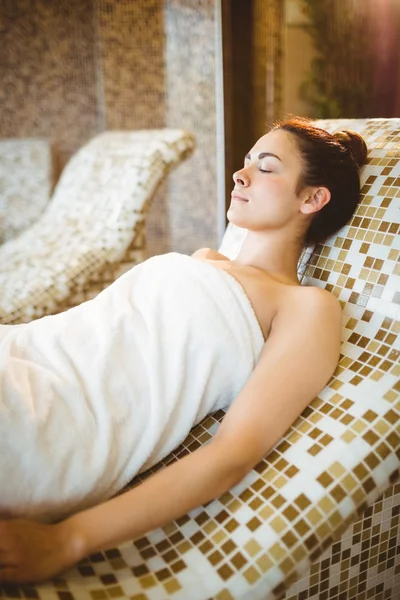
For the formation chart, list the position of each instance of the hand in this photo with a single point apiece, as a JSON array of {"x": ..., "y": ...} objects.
[{"x": 31, "y": 552}]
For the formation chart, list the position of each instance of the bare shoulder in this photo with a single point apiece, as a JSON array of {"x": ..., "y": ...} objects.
[
  {"x": 209, "y": 253},
  {"x": 299, "y": 357},
  {"x": 315, "y": 297},
  {"x": 310, "y": 310}
]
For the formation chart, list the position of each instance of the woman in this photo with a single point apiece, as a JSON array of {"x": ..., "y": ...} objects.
[{"x": 299, "y": 185}]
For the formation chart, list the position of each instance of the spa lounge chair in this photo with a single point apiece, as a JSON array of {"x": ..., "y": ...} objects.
[
  {"x": 318, "y": 517},
  {"x": 93, "y": 228}
]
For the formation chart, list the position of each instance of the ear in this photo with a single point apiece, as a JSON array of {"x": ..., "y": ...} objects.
[{"x": 315, "y": 200}]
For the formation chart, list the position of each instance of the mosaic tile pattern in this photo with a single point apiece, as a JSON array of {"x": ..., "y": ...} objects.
[
  {"x": 364, "y": 563},
  {"x": 370, "y": 563},
  {"x": 321, "y": 580},
  {"x": 186, "y": 219},
  {"x": 338, "y": 458},
  {"x": 26, "y": 180},
  {"x": 131, "y": 61},
  {"x": 48, "y": 72},
  {"x": 93, "y": 65},
  {"x": 93, "y": 228}
]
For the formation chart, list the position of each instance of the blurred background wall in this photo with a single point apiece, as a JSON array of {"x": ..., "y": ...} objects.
[
  {"x": 223, "y": 69},
  {"x": 315, "y": 58},
  {"x": 253, "y": 52},
  {"x": 299, "y": 54},
  {"x": 343, "y": 58},
  {"x": 70, "y": 69}
]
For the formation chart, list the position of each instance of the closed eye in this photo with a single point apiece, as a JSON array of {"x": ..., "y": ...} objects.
[{"x": 265, "y": 171}]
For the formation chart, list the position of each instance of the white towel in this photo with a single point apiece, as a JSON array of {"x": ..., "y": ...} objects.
[{"x": 92, "y": 396}]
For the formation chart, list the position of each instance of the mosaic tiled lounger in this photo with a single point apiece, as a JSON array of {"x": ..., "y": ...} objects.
[
  {"x": 94, "y": 226},
  {"x": 26, "y": 181},
  {"x": 284, "y": 531}
]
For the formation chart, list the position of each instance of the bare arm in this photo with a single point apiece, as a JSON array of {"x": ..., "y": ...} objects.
[
  {"x": 298, "y": 358},
  {"x": 297, "y": 361},
  {"x": 167, "y": 495},
  {"x": 33, "y": 552}
]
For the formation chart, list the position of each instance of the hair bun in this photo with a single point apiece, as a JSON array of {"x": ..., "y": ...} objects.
[{"x": 355, "y": 144}]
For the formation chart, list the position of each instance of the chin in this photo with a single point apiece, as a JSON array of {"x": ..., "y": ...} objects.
[{"x": 235, "y": 219}]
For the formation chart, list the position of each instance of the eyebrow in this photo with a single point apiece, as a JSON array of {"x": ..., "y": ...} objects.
[{"x": 263, "y": 155}]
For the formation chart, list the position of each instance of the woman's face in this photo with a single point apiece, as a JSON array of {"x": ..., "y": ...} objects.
[{"x": 264, "y": 196}]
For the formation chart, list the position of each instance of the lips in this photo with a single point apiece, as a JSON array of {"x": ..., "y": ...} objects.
[{"x": 237, "y": 196}]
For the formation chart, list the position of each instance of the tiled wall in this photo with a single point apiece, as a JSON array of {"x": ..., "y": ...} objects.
[
  {"x": 48, "y": 72},
  {"x": 72, "y": 68},
  {"x": 362, "y": 565},
  {"x": 191, "y": 103},
  {"x": 131, "y": 43}
]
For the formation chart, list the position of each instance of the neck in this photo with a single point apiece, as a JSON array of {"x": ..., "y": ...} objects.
[{"x": 274, "y": 252}]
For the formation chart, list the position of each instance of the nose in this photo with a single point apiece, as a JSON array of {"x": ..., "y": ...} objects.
[{"x": 241, "y": 177}]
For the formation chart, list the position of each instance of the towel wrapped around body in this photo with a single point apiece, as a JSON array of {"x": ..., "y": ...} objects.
[{"x": 92, "y": 396}]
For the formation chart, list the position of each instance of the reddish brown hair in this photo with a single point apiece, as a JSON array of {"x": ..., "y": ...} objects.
[{"x": 331, "y": 161}]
